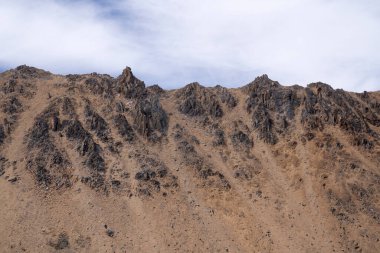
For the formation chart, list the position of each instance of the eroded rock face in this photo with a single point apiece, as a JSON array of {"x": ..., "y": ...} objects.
[
  {"x": 100, "y": 84},
  {"x": 155, "y": 90},
  {"x": 150, "y": 119},
  {"x": 154, "y": 177},
  {"x": 97, "y": 124},
  {"x": 324, "y": 105},
  {"x": 129, "y": 86},
  {"x": 50, "y": 166},
  {"x": 3, "y": 162},
  {"x": 272, "y": 106},
  {"x": 239, "y": 138},
  {"x": 68, "y": 107},
  {"x": 39, "y": 133},
  {"x": 12, "y": 106},
  {"x": 15, "y": 91},
  {"x": 204, "y": 170},
  {"x": 86, "y": 146},
  {"x": 226, "y": 97},
  {"x": 49, "y": 162},
  {"x": 195, "y": 100},
  {"x": 124, "y": 128},
  {"x": 2, "y": 134},
  {"x": 9, "y": 86},
  {"x": 14, "y": 86},
  {"x": 26, "y": 72},
  {"x": 219, "y": 136},
  {"x": 273, "y": 97},
  {"x": 263, "y": 122}
]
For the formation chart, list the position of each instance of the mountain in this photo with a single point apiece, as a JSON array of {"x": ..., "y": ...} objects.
[{"x": 92, "y": 163}]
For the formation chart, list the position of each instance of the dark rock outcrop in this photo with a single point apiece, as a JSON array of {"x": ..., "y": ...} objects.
[
  {"x": 129, "y": 86},
  {"x": 244, "y": 173},
  {"x": 324, "y": 105},
  {"x": 68, "y": 107},
  {"x": 12, "y": 106},
  {"x": 2, "y": 134},
  {"x": 124, "y": 128},
  {"x": 204, "y": 170},
  {"x": 16, "y": 87},
  {"x": 100, "y": 84},
  {"x": 120, "y": 107},
  {"x": 269, "y": 98},
  {"x": 155, "y": 90},
  {"x": 263, "y": 122},
  {"x": 49, "y": 165},
  {"x": 226, "y": 97},
  {"x": 39, "y": 134},
  {"x": 3, "y": 162},
  {"x": 150, "y": 119},
  {"x": 86, "y": 145},
  {"x": 25, "y": 72},
  {"x": 219, "y": 139},
  {"x": 196, "y": 100},
  {"x": 97, "y": 124},
  {"x": 9, "y": 86},
  {"x": 61, "y": 243},
  {"x": 273, "y": 97},
  {"x": 239, "y": 138},
  {"x": 153, "y": 176}
]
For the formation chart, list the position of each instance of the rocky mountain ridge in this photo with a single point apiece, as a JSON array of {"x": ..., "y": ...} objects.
[{"x": 264, "y": 167}]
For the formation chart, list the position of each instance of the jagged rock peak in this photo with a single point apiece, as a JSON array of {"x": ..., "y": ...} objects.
[
  {"x": 191, "y": 88},
  {"x": 155, "y": 89},
  {"x": 28, "y": 71},
  {"x": 261, "y": 82},
  {"x": 320, "y": 87},
  {"x": 130, "y": 86},
  {"x": 127, "y": 75},
  {"x": 196, "y": 100}
]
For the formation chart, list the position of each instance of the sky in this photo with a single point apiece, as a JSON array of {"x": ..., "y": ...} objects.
[{"x": 173, "y": 42}]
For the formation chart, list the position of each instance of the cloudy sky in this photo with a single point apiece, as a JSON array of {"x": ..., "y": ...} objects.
[{"x": 174, "y": 42}]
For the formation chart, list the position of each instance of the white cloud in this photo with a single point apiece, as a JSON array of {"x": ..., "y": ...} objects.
[
  {"x": 215, "y": 42},
  {"x": 63, "y": 37}
]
